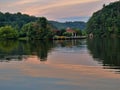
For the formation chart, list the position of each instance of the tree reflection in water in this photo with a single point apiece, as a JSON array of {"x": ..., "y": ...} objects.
[
  {"x": 106, "y": 51},
  {"x": 18, "y": 50}
]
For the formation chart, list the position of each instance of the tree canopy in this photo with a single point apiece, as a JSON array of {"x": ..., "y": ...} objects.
[
  {"x": 105, "y": 21},
  {"x": 40, "y": 29},
  {"x": 24, "y": 26},
  {"x": 16, "y": 20},
  {"x": 30, "y": 27},
  {"x": 8, "y": 32}
]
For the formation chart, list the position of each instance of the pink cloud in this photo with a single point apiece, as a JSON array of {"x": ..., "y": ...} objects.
[{"x": 55, "y": 8}]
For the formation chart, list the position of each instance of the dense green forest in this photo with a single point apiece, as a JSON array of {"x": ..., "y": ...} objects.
[
  {"x": 105, "y": 22},
  {"x": 18, "y": 25},
  {"x": 16, "y": 20},
  {"x": 39, "y": 29},
  {"x": 14, "y": 26},
  {"x": 76, "y": 24}
]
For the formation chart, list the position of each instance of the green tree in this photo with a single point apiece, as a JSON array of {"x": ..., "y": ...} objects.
[
  {"x": 78, "y": 32},
  {"x": 62, "y": 31},
  {"x": 7, "y": 32},
  {"x": 106, "y": 21},
  {"x": 42, "y": 21},
  {"x": 67, "y": 34},
  {"x": 17, "y": 19},
  {"x": 37, "y": 30}
]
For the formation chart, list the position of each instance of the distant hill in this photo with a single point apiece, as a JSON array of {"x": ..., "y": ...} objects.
[
  {"x": 16, "y": 19},
  {"x": 76, "y": 24},
  {"x": 74, "y": 18},
  {"x": 106, "y": 21}
]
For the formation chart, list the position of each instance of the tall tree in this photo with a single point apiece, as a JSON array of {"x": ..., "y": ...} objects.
[
  {"x": 7, "y": 32},
  {"x": 105, "y": 21}
]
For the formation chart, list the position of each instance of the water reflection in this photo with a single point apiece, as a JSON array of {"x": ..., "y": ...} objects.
[
  {"x": 8, "y": 50},
  {"x": 70, "y": 43},
  {"x": 19, "y": 50},
  {"x": 106, "y": 51},
  {"x": 40, "y": 48},
  {"x": 69, "y": 65}
]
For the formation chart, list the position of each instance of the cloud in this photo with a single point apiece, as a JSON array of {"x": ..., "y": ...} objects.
[
  {"x": 20, "y": 3},
  {"x": 54, "y": 9}
]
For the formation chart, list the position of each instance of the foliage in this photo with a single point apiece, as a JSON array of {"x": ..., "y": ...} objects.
[
  {"x": 60, "y": 32},
  {"x": 105, "y": 21},
  {"x": 67, "y": 34},
  {"x": 37, "y": 30},
  {"x": 17, "y": 20},
  {"x": 42, "y": 21},
  {"x": 78, "y": 32},
  {"x": 30, "y": 27},
  {"x": 7, "y": 32},
  {"x": 84, "y": 33}
]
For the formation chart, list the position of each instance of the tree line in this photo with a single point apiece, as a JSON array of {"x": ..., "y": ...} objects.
[
  {"x": 14, "y": 26},
  {"x": 106, "y": 21},
  {"x": 23, "y": 26}
]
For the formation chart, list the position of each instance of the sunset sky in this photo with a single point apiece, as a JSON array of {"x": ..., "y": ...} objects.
[{"x": 54, "y": 9}]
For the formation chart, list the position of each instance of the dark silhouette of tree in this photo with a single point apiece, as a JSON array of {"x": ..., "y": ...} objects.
[{"x": 105, "y": 21}]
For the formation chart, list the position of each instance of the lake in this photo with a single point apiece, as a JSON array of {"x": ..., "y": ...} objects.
[{"x": 87, "y": 64}]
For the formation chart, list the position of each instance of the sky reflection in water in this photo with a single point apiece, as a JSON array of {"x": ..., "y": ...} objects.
[{"x": 58, "y": 65}]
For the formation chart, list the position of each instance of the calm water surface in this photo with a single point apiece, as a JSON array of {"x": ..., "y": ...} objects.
[{"x": 92, "y": 64}]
